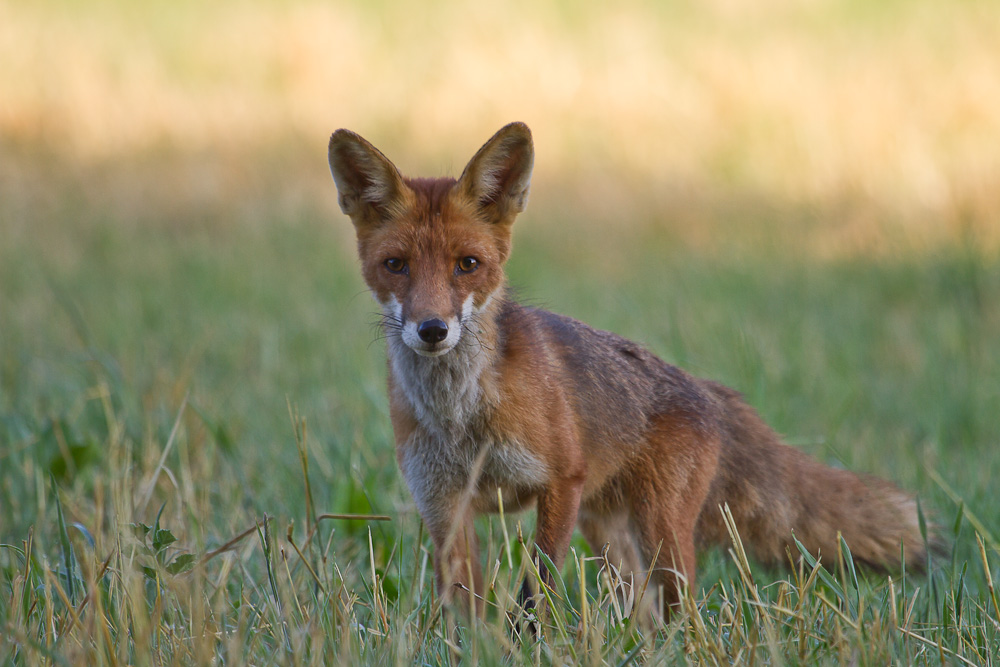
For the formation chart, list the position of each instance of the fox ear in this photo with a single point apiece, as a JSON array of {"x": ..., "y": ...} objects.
[
  {"x": 499, "y": 174},
  {"x": 370, "y": 187}
]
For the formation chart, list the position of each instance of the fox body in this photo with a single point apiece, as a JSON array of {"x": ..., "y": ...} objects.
[{"x": 491, "y": 399}]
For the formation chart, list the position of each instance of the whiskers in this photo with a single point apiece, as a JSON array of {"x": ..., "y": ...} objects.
[
  {"x": 472, "y": 326},
  {"x": 386, "y": 326}
]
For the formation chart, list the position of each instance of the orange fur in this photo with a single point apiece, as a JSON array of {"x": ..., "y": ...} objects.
[{"x": 588, "y": 427}]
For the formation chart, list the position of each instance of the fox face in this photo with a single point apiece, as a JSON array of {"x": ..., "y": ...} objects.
[
  {"x": 433, "y": 250},
  {"x": 431, "y": 271}
]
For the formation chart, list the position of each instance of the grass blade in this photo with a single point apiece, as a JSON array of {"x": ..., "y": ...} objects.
[{"x": 65, "y": 545}]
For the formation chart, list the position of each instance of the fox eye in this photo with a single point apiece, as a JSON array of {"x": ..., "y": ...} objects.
[
  {"x": 395, "y": 265},
  {"x": 467, "y": 265}
]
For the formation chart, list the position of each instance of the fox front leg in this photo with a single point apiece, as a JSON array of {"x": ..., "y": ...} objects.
[
  {"x": 442, "y": 500},
  {"x": 558, "y": 509},
  {"x": 456, "y": 565}
]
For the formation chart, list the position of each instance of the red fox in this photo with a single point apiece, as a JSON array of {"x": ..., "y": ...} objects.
[{"x": 490, "y": 399}]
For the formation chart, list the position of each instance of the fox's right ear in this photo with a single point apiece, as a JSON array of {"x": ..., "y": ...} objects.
[{"x": 369, "y": 186}]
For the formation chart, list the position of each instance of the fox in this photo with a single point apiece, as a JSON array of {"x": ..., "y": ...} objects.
[{"x": 497, "y": 403}]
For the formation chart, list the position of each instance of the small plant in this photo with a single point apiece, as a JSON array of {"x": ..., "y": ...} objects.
[{"x": 158, "y": 556}]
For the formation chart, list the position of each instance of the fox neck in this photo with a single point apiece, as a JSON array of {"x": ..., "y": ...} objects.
[{"x": 453, "y": 392}]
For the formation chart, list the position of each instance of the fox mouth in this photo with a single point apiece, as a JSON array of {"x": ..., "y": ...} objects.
[
  {"x": 431, "y": 337},
  {"x": 435, "y": 350}
]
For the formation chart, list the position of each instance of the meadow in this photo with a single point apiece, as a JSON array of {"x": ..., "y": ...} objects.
[{"x": 798, "y": 199}]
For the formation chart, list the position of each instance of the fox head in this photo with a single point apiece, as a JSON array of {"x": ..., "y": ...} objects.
[{"x": 432, "y": 250}]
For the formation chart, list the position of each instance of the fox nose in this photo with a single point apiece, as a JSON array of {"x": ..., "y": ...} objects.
[{"x": 432, "y": 331}]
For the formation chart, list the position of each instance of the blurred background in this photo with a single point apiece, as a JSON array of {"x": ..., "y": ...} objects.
[
  {"x": 878, "y": 121},
  {"x": 797, "y": 197}
]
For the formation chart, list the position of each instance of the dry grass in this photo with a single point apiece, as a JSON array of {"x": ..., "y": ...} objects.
[
  {"x": 882, "y": 119},
  {"x": 165, "y": 260}
]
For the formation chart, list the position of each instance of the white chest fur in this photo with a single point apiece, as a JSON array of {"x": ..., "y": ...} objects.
[
  {"x": 445, "y": 392},
  {"x": 456, "y": 449}
]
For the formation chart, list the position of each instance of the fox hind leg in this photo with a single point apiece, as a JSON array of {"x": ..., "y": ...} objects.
[
  {"x": 612, "y": 535},
  {"x": 667, "y": 488},
  {"x": 615, "y": 533}
]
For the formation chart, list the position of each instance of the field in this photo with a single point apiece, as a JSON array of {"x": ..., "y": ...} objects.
[{"x": 799, "y": 199}]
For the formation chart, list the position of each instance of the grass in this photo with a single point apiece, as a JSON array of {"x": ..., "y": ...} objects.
[
  {"x": 148, "y": 388},
  {"x": 190, "y": 387}
]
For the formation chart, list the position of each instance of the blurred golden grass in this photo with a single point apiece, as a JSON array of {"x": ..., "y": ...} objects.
[{"x": 878, "y": 119}]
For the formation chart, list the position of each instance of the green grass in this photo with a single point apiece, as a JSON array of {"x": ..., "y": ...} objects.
[
  {"x": 173, "y": 385},
  {"x": 796, "y": 199}
]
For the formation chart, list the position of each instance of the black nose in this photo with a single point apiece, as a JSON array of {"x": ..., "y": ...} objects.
[{"x": 432, "y": 331}]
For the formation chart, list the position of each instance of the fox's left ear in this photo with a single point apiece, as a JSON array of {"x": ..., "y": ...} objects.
[{"x": 499, "y": 174}]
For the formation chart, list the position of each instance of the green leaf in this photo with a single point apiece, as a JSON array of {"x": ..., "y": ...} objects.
[
  {"x": 67, "y": 548},
  {"x": 181, "y": 563},
  {"x": 558, "y": 585},
  {"x": 162, "y": 538},
  {"x": 823, "y": 574},
  {"x": 141, "y": 530},
  {"x": 86, "y": 533},
  {"x": 849, "y": 561},
  {"x": 922, "y": 523}
]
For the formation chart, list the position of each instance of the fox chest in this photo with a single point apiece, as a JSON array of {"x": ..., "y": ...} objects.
[
  {"x": 452, "y": 441},
  {"x": 441, "y": 472}
]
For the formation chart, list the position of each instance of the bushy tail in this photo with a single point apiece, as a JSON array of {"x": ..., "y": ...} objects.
[{"x": 773, "y": 489}]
